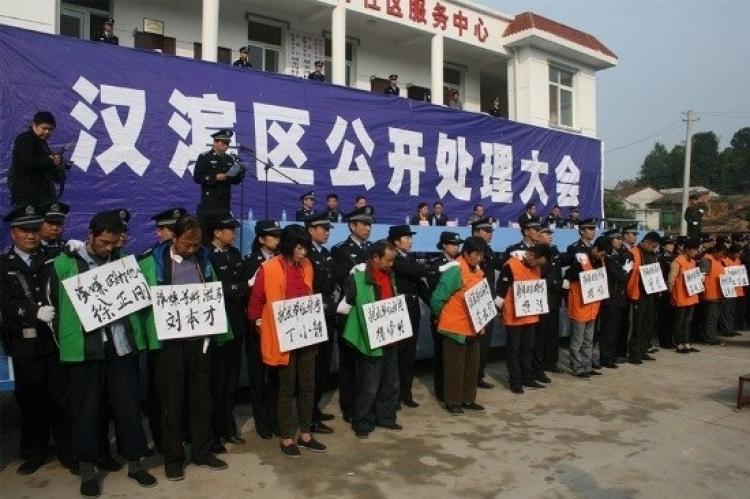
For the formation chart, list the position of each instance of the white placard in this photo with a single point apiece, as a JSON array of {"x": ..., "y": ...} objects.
[
  {"x": 300, "y": 322},
  {"x": 739, "y": 274},
  {"x": 481, "y": 306},
  {"x": 693, "y": 281},
  {"x": 108, "y": 293},
  {"x": 530, "y": 297},
  {"x": 652, "y": 278},
  {"x": 302, "y": 50},
  {"x": 594, "y": 286},
  {"x": 387, "y": 321},
  {"x": 189, "y": 310},
  {"x": 727, "y": 284}
]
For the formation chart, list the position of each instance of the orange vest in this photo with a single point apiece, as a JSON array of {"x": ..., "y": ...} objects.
[
  {"x": 275, "y": 289},
  {"x": 633, "y": 289},
  {"x": 520, "y": 273},
  {"x": 577, "y": 310},
  {"x": 733, "y": 262},
  {"x": 680, "y": 297},
  {"x": 713, "y": 288},
  {"x": 455, "y": 317}
]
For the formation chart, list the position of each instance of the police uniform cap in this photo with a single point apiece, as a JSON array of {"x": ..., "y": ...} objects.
[
  {"x": 169, "y": 217},
  {"x": 306, "y": 195},
  {"x": 124, "y": 215},
  {"x": 26, "y": 216},
  {"x": 109, "y": 20},
  {"x": 588, "y": 222},
  {"x": 630, "y": 228},
  {"x": 612, "y": 233},
  {"x": 267, "y": 227},
  {"x": 449, "y": 238},
  {"x": 318, "y": 63},
  {"x": 485, "y": 223},
  {"x": 532, "y": 223},
  {"x": 244, "y": 49},
  {"x": 220, "y": 219},
  {"x": 319, "y": 219},
  {"x": 546, "y": 230},
  {"x": 397, "y": 231},
  {"x": 667, "y": 239},
  {"x": 55, "y": 213},
  {"x": 393, "y": 77},
  {"x": 682, "y": 240},
  {"x": 363, "y": 214},
  {"x": 705, "y": 237},
  {"x": 224, "y": 134}
]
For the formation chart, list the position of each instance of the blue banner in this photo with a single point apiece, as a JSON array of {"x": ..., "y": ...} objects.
[{"x": 135, "y": 121}]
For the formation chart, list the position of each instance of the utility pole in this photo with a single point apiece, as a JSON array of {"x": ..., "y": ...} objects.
[{"x": 688, "y": 119}]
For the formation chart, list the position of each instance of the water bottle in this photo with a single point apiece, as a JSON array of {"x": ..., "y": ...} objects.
[
  {"x": 283, "y": 215},
  {"x": 456, "y": 221},
  {"x": 407, "y": 220},
  {"x": 250, "y": 214},
  {"x": 340, "y": 218}
]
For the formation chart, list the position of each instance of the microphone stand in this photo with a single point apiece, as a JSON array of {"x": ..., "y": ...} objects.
[{"x": 266, "y": 166}]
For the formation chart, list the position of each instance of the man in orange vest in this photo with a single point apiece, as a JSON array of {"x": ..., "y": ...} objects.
[
  {"x": 729, "y": 305},
  {"x": 520, "y": 331},
  {"x": 641, "y": 304},
  {"x": 712, "y": 268},
  {"x": 682, "y": 303}
]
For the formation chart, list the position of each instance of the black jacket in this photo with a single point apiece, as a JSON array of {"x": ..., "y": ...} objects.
[
  {"x": 215, "y": 194},
  {"x": 617, "y": 280},
  {"x": 346, "y": 255},
  {"x": 230, "y": 270},
  {"x": 323, "y": 281},
  {"x": 32, "y": 175},
  {"x": 410, "y": 275},
  {"x": 316, "y": 76}
]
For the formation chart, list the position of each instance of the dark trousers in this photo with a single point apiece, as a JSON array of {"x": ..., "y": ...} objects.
[
  {"x": 610, "y": 320},
  {"x": 323, "y": 365},
  {"x": 225, "y": 378},
  {"x": 740, "y": 320},
  {"x": 546, "y": 351},
  {"x": 92, "y": 382},
  {"x": 437, "y": 362},
  {"x": 407, "y": 351},
  {"x": 710, "y": 320},
  {"x": 153, "y": 411},
  {"x": 259, "y": 380},
  {"x": 664, "y": 320},
  {"x": 641, "y": 328},
  {"x": 460, "y": 362},
  {"x": 43, "y": 396},
  {"x": 347, "y": 371},
  {"x": 485, "y": 342},
  {"x": 727, "y": 316},
  {"x": 299, "y": 374},
  {"x": 520, "y": 347},
  {"x": 624, "y": 334},
  {"x": 681, "y": 317},
  {"x": 183, "y": 380},
  {"x": 376, "y": 396}
]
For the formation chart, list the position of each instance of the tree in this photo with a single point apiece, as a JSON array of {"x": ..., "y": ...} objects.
[
  {"x": 741, "y": 139},
  {"x": 655, "y": 170},
  {"x": 614, "y": 207},
  {"x": 704, "y": 161}
]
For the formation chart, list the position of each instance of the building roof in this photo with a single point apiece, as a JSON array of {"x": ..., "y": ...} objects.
[
  {"x": 529, "y": 20},
  {"x": 629, "y": 191}
]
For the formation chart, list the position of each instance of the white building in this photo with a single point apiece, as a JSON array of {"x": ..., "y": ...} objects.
[{"x": 544, "y": 72}]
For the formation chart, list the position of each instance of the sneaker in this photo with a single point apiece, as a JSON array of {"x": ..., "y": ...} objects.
[
  {"x": 90, "y": 488},
  {"x": 108, "y": 464},
  {"x": 454, "y": 409},
  {"x": 290, "y": 450},
  {"x": 362, "y": 435},
  {"x": 517, "y": 389},
  {"x": 312, "y": 445},
  {"x": 211, "y": 461},
  {"x": 472, "y": 406},
  {"x": 532, "y": 384},
  {"x": 481, "y": 383},
  {"x": 542, "y": 378},
  {"x": 174, "y": 473},
  {"x": 31, "y": 465},
  {"x": 143, "y": 477},
  {"x": 411, "y": 404}
]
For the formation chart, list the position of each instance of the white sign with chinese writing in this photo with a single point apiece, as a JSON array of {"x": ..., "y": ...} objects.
[
  {"x": 594, "y": 285},
  {"x": 387, "y": 321},
  {"x": 652, "y": 278},
  {"x": 530, "y": 297},
  {"x": 300, "y": 322},
  {"x": 303, "y": 49},
  {"x": 188, "y": 310},
  {"x": 728, "y": 288},
  {"x": 693, "y": 281},
  {"x": 739, "y": 274},
  {"x": 481, "y": 307},
  {"x": 108, "y": 293}
]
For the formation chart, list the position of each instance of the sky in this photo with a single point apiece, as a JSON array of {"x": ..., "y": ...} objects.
[{"x": 674, "y": 55}]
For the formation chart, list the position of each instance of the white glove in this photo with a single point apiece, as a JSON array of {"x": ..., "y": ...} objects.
[
  {"x": 361, "y": 267},
  {"x": 499, "y": 302},
  {"x": 566, "y": 284},
  {"x": 344, "y": 308},
  {"x": 518, "y": 254},
  {"x": 75, "y": 245},
  {"x": 46, "y": 313},
  {"x": 446, "y": 266},
  {"x": 628, "y": 266}
]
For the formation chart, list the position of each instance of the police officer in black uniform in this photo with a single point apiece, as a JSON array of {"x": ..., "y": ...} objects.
[
  {"x": 243, "y": 61},
  {"x": 554, "y": 220},
  {"x": 573, "y": 218},
  {"x": 587, "y": 232},
  {"x": 53, "y": 224},
  {"x": 41, "y": 384},
  {"x": 125, "y": 216},
  {"x": 546, "y": 351},
  {"x": 308, "y": 202},
  {"x": 392, "y": 88},
  {"x": 165, "y": 221},
  {"x": 491, "y": 262},
  {"x": 318, "y": 73},
  {"x": 665, "y": 256},
  {"x": 614, "y": 308},
  {"x": 227, "y": 358},
  {"x": 347, "y": 254},
  {"x": 216, "y": 172},
  {"x": 107, "y": 35},
  {"x": 694, "y": 216},
  {"x": 450, "y": 247},
  {"x": 263, "y": 382},
  {"x": 530, "y": 230},
  {"x": 332, "y": 208},
  {"x": 319, "y": 228}
]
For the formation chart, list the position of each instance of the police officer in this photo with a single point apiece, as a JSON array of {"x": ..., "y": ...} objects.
[
  {"x": 216, "y": 171},
  {"x": 587, "y": 233},
  {"x": 694, "y": 216},
  {"x": 546, "y": 351},
  {"x": 450, "y": 247},
  {"x": 664, "y": 325},
  {"x": 263, "y": 382},
  {"x": 243, "y": 61},
  {"x": 319, "y": 228},
  {"x": 332, "y": 208},
  {"x": 107, "y": 35},
  {"x": 484, "y": 227},
  {"x": 41, "y": 385},
  {"x": 573, "y": 218},
  {"x": 530, "y": 230},
  {"x": 308, "y": 202},
  {"x": 613, "y": 308},
  {"x": 554, "y": 219},
  {"x": 528, "y": 214},
  {"x": 227, "y": 358},
  {"x": 165, "y": 221},
  {"x": 53, "y": 224},
  {"x": 318, "y": 73},
  {"x": 347, "y": 254},
  {"x": 392, "y": 88},
  {"x": 125, "y": 217}
]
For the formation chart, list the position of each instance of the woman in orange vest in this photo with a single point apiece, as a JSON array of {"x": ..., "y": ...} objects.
[
  {"x": 459, "y": 338},
  {"x": 727, "y": 317},
  {"x": 682, "y": 303},
  {"x": 583, "y": 315},
  {"x": 285, "y": 276},
  {"x": 520, "y": 331},
  {"x": 712, "y": 269}
]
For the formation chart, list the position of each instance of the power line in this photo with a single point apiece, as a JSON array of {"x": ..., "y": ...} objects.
[{"x": 654, "y": 135}]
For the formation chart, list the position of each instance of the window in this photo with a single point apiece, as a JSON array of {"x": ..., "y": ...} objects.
[
  {"x": 83, "y": 18},
  {"x": 560, "y": 96},
  {"x": 265, "y": 45},
  {"x": 329, "y": 64},
  {"x": 452, "y": 80}
]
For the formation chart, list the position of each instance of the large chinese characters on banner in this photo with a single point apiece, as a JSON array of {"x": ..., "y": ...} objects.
[{"x": 134, "y": 136}]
